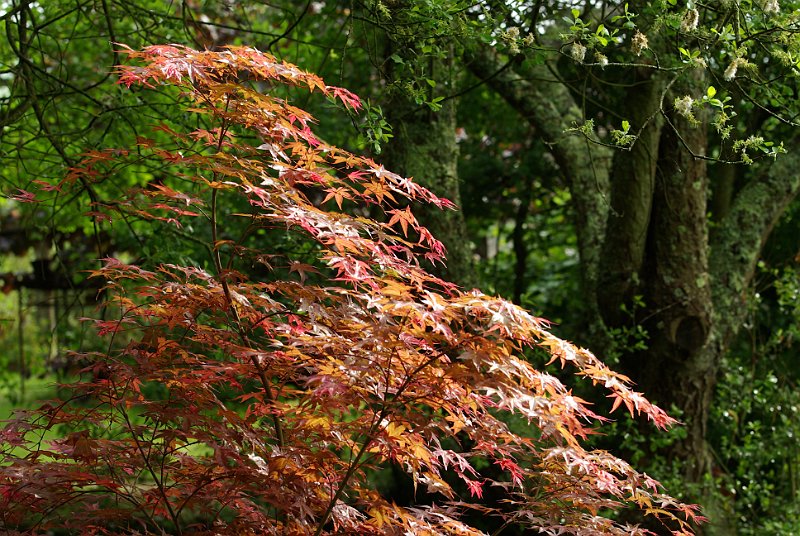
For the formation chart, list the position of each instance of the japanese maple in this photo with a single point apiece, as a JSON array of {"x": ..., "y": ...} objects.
[{"x": 231, "y": 403}]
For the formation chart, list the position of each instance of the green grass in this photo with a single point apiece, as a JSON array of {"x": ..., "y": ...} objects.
[
  {"x": 11, "y": 399},
  {"x": 35, "y": 390}
]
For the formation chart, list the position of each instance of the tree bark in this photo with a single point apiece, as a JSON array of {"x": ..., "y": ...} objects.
[
  {"x": 551, "y": 110},
  {"x": 632, "y": 189},
  {"x": 424, "y": 142},
  {"x": 424, "y": 147},
  {"x": 678, "y": 307}
]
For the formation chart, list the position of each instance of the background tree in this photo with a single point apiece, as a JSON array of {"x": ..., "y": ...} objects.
[{"x": 662, "y": 84}]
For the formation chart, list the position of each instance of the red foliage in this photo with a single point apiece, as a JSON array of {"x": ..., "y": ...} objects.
[{"x": 231, "y": 405}]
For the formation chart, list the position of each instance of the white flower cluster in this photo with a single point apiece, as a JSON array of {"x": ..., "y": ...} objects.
[
  {"x": 690, "y": 20},
  {"x": 578, "y": 52},
  {"x": 639, "y": 43},
  {"x": 771, "y": 7},
  {"x": 730, "y": 72},
  {"x": 683, "y": 106},
  {"x": 511, "y": 37}
]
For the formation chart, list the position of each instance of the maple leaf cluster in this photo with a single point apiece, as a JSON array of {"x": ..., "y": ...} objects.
[{"x": 233, "y": 404}]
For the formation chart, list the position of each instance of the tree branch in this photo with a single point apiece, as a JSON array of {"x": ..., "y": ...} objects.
[{"x": 741, "y": 235}]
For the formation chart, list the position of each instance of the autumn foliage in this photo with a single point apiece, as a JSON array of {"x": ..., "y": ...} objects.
[{"x": 254, "y": 393}]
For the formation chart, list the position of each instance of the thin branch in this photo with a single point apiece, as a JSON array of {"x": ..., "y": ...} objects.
[
  {"x": 262, "y": 375},
  {"x": 480, "y": 82},
  {"x": 111, "y": 35},
  {"x": 693, "y": 153},
  {"x": 291, "y": 27},
  {"x": 370, "y": 437}
]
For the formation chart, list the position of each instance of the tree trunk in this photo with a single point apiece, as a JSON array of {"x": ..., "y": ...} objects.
[
  {"x": 424, "y": 147},
  {"x": 550, "y": 109},
  {"x": 678, "y": 308},
  {"x": 632, "y": 187}
]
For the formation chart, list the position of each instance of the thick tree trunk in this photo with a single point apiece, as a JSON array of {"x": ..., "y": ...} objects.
[
  {"x": 424, "y": 142},
  {"x": 723, "y": 179},
  {"x": 550, "y": 109},
  {"x": 632, "y": 187},
  {"x": 696, "y": 291},
  {"x": 424, "y": 146},
  {"x": 676, "y": 292}
]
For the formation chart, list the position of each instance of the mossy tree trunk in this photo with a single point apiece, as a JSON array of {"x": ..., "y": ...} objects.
[
  {"x": 424, "y": 144},
  {"x": 584, "y": 166},
  {"x": 677, "y": 303},
  {"x": 424, "y": 147}
]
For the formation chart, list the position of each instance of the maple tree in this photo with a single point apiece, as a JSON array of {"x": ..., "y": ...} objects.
[{"x": 230, "y": 403}]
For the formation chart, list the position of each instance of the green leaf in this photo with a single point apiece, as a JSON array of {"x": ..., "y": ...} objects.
[
  {"x": 711, "y": 91},
  {"x": 626, "y": 126},
  {"x": 576, "y": 13}
]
